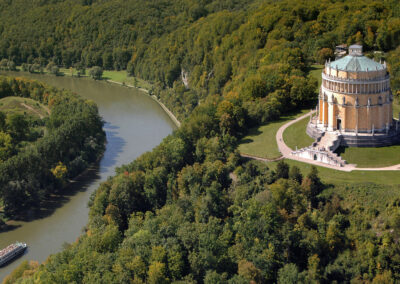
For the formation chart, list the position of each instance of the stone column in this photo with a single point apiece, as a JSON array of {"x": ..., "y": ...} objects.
[
  {"x": 357, "y": 120},
  {"x": 321, "y": 110},
  {"x": 326, "y": 112}
]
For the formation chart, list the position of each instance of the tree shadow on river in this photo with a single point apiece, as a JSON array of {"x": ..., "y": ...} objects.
[
  {"x": 81, "y": 183},
  {"x": 115, "y": 145},
  {"x": 58, "y": 199}
]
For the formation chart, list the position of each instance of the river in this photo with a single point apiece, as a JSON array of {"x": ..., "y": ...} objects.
[{"x": 134, "y": 124}]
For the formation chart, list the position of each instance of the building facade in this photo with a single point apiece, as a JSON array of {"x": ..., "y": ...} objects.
[{"x": 355, "y": 95}]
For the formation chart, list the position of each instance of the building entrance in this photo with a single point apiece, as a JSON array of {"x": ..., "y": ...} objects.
[{"x": 339, "y": 124}]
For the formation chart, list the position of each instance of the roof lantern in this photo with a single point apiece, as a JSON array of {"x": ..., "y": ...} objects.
[
  {"x": 355, "y": 50},
  {"x": 356, "y": 62}
]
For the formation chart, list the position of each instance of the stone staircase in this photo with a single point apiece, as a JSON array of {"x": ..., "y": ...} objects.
[
  {"x": 323, "y": 150},
  {"x": 330, "y": 141}
]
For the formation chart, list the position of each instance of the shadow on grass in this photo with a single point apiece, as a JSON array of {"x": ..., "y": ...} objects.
[
  {"x": 341, "y": 150},
  {"x": 246, "y": 141}
]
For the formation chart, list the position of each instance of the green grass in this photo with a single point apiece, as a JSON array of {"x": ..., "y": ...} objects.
[
  {"x": 261, "y": 142},
  {"x": 396, "y": 108},
  {"x": 114, "y": 75},
  {"x": 316, "y": 71},
  {"x": 25, "y": 106},
  {"x": 371, "y": 157},
  {"x": 331, "y": 176},
  {"x": 295, "y": 135},
  {"x": 122, "y": 77}
]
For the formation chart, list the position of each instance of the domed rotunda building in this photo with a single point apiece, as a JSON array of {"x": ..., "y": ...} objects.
[{"x": 355, "y": 102}]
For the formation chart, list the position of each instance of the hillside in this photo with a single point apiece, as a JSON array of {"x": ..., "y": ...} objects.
[{"x": 192, "y": 211}]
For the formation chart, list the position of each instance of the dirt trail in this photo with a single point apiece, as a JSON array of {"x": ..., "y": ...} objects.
[{"x": 34, "y": 110}]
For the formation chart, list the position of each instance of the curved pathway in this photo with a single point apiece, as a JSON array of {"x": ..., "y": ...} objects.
[
  {"x": 286, "y": 152},
  {"x": 260, "y": 158}
]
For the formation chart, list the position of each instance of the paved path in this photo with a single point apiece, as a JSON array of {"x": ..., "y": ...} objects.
[
  {"x": 260, "y": 158},
  {"x": 286, "y": 152}
]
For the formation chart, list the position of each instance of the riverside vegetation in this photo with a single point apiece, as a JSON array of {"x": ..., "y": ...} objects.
[
  {"x": 38, "y": 154},
  {"x": 192, "y": 211}
]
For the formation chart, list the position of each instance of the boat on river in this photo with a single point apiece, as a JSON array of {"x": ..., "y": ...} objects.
[{"x": 12, "y": 251}]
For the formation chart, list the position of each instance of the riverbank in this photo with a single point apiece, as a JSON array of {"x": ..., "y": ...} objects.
[
  {"x": 119, "y": 78},
  {"x": 170, "y": 114},
  {"x": 134, "y": 124}
]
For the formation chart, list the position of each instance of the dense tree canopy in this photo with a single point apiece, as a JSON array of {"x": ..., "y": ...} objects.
[
  {"x": 191, "y": 211},
  {"x": 75, "y": 139},
  {"x": 258, "y": 49}
]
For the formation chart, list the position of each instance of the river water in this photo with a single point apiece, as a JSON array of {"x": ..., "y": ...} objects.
[{"x": 134, "y": 124}]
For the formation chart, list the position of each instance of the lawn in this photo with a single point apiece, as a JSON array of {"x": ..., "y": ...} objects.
[
  {"x": 316, "y": 71},
  {"x": 120, "y": 76},
  {"x": 295, "y": 135},
  {"x": 11, "y": 105},
  {"x": 331, "y": 176},
  {"x": 396, "y": 108},
  {"x": 371, "y": 157},
  {"x": 261, "y": 142}
]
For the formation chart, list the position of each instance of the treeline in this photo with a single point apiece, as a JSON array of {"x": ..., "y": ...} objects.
[
  {"x": 15, "y": 129},
  {"x": 74, "y": 140},
  {"x": 191, "y": 211},
  {"x": 218, "y": 45}
]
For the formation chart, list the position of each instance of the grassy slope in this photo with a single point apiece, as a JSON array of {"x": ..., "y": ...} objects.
[
  {"x": 261, "y": 142},
  {"x": 396, "y": 108},
  {"x": 315, "y": 71},
  {"x": 371, "y": 157},
  {"x": 338, "y": 177},
  {"x": 11, "y": 105},
  {"x": 295, "y": 135}
]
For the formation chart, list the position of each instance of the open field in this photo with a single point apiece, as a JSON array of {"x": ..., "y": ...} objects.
[
  {"x": 371, "y": 157},
  {"x": 261, "y": 142},
  {"x": 11, "y": 105},
  {"x": 295, "y": 135},
  {"x": 113, "y": 75},
  {"x": 122, "y": 77}
]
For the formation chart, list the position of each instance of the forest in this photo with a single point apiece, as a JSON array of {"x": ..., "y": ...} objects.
[
  {"x": 191, "y": 210},
  {"x": 73, "y": 139}
]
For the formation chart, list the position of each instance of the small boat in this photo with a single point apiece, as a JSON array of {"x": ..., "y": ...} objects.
[{"x": 12, "y": 251}]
